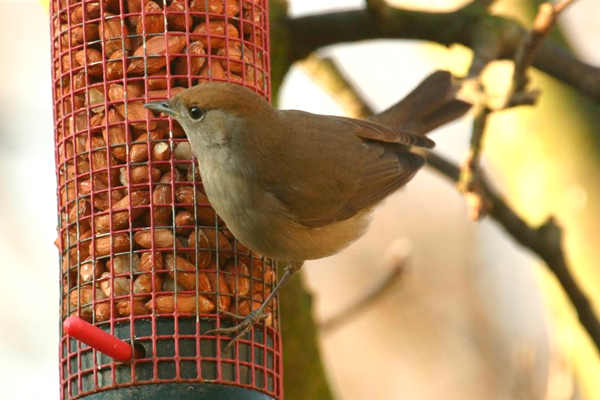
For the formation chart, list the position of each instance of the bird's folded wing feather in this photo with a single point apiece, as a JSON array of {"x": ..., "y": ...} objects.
[
  {"x": 381, "y": 133},
  {"x": 375, "y": 162}
]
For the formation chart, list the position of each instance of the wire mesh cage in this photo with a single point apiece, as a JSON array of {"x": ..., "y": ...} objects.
[{"x": 143, "y": 256}]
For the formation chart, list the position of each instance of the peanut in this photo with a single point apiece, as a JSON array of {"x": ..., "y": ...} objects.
[
  {"x": 120, "y": 243},
  {"x": 186, "y": 304},
  {"x": 120, "y": 220},
  {"x": 151, "y": 262},
  {"x": 145, "y": 283},
  {"x": 124, "y": 307},
  {"x": 176, "y": 17},
  {"x": 186, "y": 274},
  {"x": 163, "y": 238},
  {"x": 212, "y": 35}
]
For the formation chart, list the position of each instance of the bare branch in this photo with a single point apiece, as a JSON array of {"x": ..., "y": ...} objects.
[
  {"x": 491, "y": 37},
  {"x": 325, "y": 72},
  {"x": 545, "y": 241},
  {"x": 526, "y": 53},
  {"x": 485, "y": 3},
  {"x": 559, "y": 6},
  {"x": 469, "y": 183},
  {"x": 379, "y": 8},
  {"x": 517, "y": 95},
  {"x": 366, "y": 300}
]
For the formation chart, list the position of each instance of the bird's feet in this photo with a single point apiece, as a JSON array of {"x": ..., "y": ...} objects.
[
  {"x": 259, "y": 314},
  {"x": 246, "y": 323}
]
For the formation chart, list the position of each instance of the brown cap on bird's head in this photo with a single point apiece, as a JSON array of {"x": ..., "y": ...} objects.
[{"x": 229, "y": 97}]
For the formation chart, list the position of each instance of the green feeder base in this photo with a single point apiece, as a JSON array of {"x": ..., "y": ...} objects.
[{"x": 177, "y": 391}]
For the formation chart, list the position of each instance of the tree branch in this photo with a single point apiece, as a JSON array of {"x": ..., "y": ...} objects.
[
  {"x": 516, "y": 95},
  {"x": 367, "y": 299},
  {"x": 305, "y": 376},
  {"x": 545, "y": 241},
  {"x": 491, "y": 37},
  {"x": 325, "y": 72},
  {"x": 470, "y": 173},
  {"x": 525, "y": 55}
]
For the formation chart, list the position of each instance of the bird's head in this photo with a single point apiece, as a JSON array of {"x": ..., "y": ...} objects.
[{"x": 213, "y": 114}]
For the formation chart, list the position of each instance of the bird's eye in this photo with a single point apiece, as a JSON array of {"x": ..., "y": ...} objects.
[{"x": 197, "y": 113}]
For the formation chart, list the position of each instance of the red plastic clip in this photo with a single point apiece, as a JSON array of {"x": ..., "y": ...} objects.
[{"x": 98, "y": 339}]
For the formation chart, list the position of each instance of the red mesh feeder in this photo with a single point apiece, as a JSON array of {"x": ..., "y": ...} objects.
[{"x": 146, "y": 264}]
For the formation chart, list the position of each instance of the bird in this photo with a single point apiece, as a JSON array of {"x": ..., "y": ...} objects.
[{"x": 296, "y": 186}]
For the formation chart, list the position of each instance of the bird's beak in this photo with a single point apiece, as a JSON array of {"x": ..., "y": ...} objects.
[{"x": 161, "y": 106}]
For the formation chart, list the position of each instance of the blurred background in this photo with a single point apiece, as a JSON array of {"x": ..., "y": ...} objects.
[{"x": 473, "y": 316}]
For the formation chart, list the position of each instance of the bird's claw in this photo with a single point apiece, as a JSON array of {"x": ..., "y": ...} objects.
[
  {"x": 230, "y": 315},
  {"x": 241, "y": 328}
]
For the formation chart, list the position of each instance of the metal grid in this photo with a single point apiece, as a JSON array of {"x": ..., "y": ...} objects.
[{"x": 142, "y": 254}]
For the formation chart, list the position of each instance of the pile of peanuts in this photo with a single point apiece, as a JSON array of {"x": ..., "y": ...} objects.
[{"x": 137, "y": 234}]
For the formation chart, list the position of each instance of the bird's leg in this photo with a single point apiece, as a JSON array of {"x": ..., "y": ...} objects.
[{"x": 259, "y": 314}]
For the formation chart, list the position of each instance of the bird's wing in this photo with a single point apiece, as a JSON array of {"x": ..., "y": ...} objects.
[
  {"x": 381, "y": 133},
  {"x": 364, "y": 163},
  {"x": 379, "y": 177}
]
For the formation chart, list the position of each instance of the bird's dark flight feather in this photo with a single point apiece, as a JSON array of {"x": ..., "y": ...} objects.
[{"x": 377, "y": 161}]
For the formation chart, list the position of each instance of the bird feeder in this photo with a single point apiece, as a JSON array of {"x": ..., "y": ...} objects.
[{"x": 146, "y": 266}]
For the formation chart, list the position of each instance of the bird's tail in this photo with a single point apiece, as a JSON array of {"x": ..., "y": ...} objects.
[{"x": 431, "y": 104}]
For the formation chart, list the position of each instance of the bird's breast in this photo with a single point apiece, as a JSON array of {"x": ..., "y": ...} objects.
[
  {"x": 249, "y": 212},
  {"x": 261, "y": 222}
]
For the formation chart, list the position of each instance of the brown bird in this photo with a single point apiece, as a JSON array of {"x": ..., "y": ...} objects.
[{"x": 297, "y": 186}]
